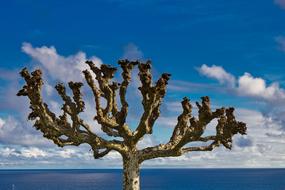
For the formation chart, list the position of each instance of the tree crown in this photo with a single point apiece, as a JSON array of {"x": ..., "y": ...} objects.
[{"x": 69, "y": 129}]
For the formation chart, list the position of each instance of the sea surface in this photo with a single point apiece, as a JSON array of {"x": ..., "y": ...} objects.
[{"x": 151, "y": 179}]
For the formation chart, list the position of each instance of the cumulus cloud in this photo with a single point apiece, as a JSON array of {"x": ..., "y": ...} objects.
[
  {"x": 256, "y": 87},
  {"x": 280, "y": 3},
  {"x": 246, "y": 85},
  {"x": 132, "y": 52},
  {"x": 57, "y": 66},
  {"x": 218, "y": 73}
]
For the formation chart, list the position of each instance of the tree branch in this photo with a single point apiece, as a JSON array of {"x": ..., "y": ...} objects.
[
  {"x": 56, "y": 128},
  {"x": 127, "y": 67},
  {"x": 152, "y": 98},
  {"x": 202, "y": 148},
  {"x": 190, "y": 131},
  {"x": 97, "y": 154},
  {"x": 106, "y": 117}
]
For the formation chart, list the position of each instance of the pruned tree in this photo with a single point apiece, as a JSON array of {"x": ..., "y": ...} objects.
[{"x": 69, "y": 129}]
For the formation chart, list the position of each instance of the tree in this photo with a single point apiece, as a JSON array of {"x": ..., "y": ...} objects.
[{"x": 70, "y": 129}]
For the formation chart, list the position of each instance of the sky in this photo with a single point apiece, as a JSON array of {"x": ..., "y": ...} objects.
[{"x": 232, "y": 51}]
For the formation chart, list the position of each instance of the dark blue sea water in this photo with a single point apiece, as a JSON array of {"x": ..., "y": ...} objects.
[{"x": 151, "y": 179}]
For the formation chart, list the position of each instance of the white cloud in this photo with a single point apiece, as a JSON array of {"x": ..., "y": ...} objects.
[
  {"x": 281, "y": 3},
  {"x": 256, "y": 87},
  {"x": 246, "y": 85},
  {"x": 33, "y": 152},
  {"x": 218, "y": 73},
  {"x": 169, "y": 121},
  {"x": 66, "y": 153},
  {"x": 48, "y": 89},
  {"x": 14, "y": 131},
  {"x": 147, "y": 141},
  {"x": 59, "y": 67},
  {"x": 132, "y": 52},
  {"x": 112, "y": 156},
  {"x": 6, "y": 152},
  {"x": 45, "y": 157}
]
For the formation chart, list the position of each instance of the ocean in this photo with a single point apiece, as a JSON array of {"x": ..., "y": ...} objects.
[{"x": 151, "y": 179}]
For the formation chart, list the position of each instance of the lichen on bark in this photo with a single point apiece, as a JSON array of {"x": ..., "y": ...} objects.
[{"x": 70, "y": 129}]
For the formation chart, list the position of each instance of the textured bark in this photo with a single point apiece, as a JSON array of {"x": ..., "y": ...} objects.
[
  {"x": 69, "y": 129},
  {"x": 131, "y": 178}
]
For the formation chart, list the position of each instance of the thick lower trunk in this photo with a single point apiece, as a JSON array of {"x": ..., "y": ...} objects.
[{"x": 131, "y": 166}]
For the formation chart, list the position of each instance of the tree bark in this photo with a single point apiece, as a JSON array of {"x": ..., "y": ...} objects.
[{"x": 131, "y": 167}]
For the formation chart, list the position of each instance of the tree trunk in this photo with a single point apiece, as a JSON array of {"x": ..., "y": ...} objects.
[{"x": 131, "y": 176}]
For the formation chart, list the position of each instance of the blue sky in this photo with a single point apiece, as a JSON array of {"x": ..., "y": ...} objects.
[{"x": 233, "y": 51}]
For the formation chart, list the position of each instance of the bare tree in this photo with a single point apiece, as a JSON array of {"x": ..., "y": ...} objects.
[{"x": 70, "y": 129}]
